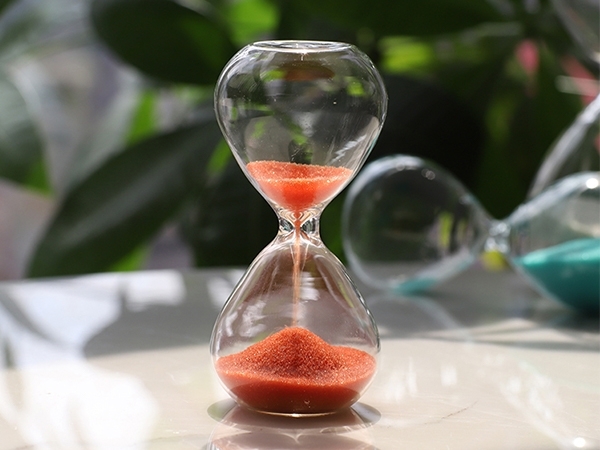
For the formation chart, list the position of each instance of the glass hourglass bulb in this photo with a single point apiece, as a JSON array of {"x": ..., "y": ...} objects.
[
  {"x": 300, "y": 117},
  {"x": 580, "y": 17},
  {"x": 408, "y": 224},
  {"x": 576, "y": 150},
  {"x": 554, "y": 240}
]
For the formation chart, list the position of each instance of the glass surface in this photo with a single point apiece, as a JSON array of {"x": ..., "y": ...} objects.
[
  {"x": 576, "y": 150},
  {"x": 300, "y": 117},
  {"x": 581, "y": 20},
  {"x": 554, "y": 240},
  {"x": 408, "y": 225}
]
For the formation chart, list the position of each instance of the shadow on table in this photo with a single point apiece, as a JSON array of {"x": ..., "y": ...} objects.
[
  {"x": 51, "y": 396},
  {"x": 116, "y": 312},
  {"x": 486, "y": 308}
]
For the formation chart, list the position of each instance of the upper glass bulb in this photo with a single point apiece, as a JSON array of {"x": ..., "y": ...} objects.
[{"x": 305, "y": 103}]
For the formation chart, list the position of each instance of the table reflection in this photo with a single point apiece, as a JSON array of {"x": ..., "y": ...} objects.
[
  {"x": 240, "y": 429},
  {"x": 534, "y": 365}
]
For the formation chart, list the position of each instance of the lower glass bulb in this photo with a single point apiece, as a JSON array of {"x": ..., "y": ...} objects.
[{"x": 295, "y": 337}]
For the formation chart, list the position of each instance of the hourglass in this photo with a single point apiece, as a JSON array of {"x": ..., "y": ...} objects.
[
  {"x": 409, "y": 224},
  {"x": 300, "y": 117}
]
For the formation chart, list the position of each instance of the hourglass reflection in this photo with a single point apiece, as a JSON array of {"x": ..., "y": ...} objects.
[{"x": 300, "y": 117}]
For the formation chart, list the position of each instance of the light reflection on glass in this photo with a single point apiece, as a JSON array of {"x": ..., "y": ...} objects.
[{"x": 242, "y": 429}]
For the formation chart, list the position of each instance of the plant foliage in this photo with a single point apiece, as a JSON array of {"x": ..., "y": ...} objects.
[{"x": 461, "y": 93}]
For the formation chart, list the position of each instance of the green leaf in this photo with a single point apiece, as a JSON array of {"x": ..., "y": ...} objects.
[
  {"x": 415, "y": 18},
  {"x": 163, "y": 38},
  {"x": 32, "y": 27},
  {"x": 251, "y": 20},
  {"x": 118, "y": 126},
  {"x": 427, "y": 121},
  {"x": 498, "y": 188},
  {"x": 125, "y": 202},
  {"x": 231, "y": 223},
  {"x": 524, "y": 118},
  {"x": 475, "y": 63},
  {"x": 402, "y": 54},
  {"x": 534, "y": 128},
  {"x": 144, "y": 120},
  {"x": 331, "y": 224},
  {"x": 5, "y": 4},
  {"x": 132, "y": 261},
  {"x": 20, "y": 144}
]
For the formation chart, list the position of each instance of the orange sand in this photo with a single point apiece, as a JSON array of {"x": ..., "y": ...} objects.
[
  {"x": 296, "y": 372},
  {"x": 297, "y": 187}
]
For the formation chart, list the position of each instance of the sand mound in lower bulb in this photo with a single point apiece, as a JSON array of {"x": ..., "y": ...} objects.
[{"x": 296, "y": 372}]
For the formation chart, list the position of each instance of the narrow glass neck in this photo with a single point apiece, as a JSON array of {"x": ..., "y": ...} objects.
[
  {"x": 306, "y": 226},
  {"x": 498, "y": 237}
]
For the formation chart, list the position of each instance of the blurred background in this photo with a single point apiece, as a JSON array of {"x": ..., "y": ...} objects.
[{"x": 111, "y": 159}]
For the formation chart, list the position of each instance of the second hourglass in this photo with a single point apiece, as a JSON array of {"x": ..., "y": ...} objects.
[
  {"x": 300, "y": 117},
  {"x": 409, "y": 224}
]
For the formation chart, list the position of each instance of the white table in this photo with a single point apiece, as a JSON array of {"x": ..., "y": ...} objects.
[{"x": 121, "y": 361}]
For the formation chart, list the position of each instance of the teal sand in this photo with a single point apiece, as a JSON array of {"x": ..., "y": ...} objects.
[{"x": 570, "y": 272}]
